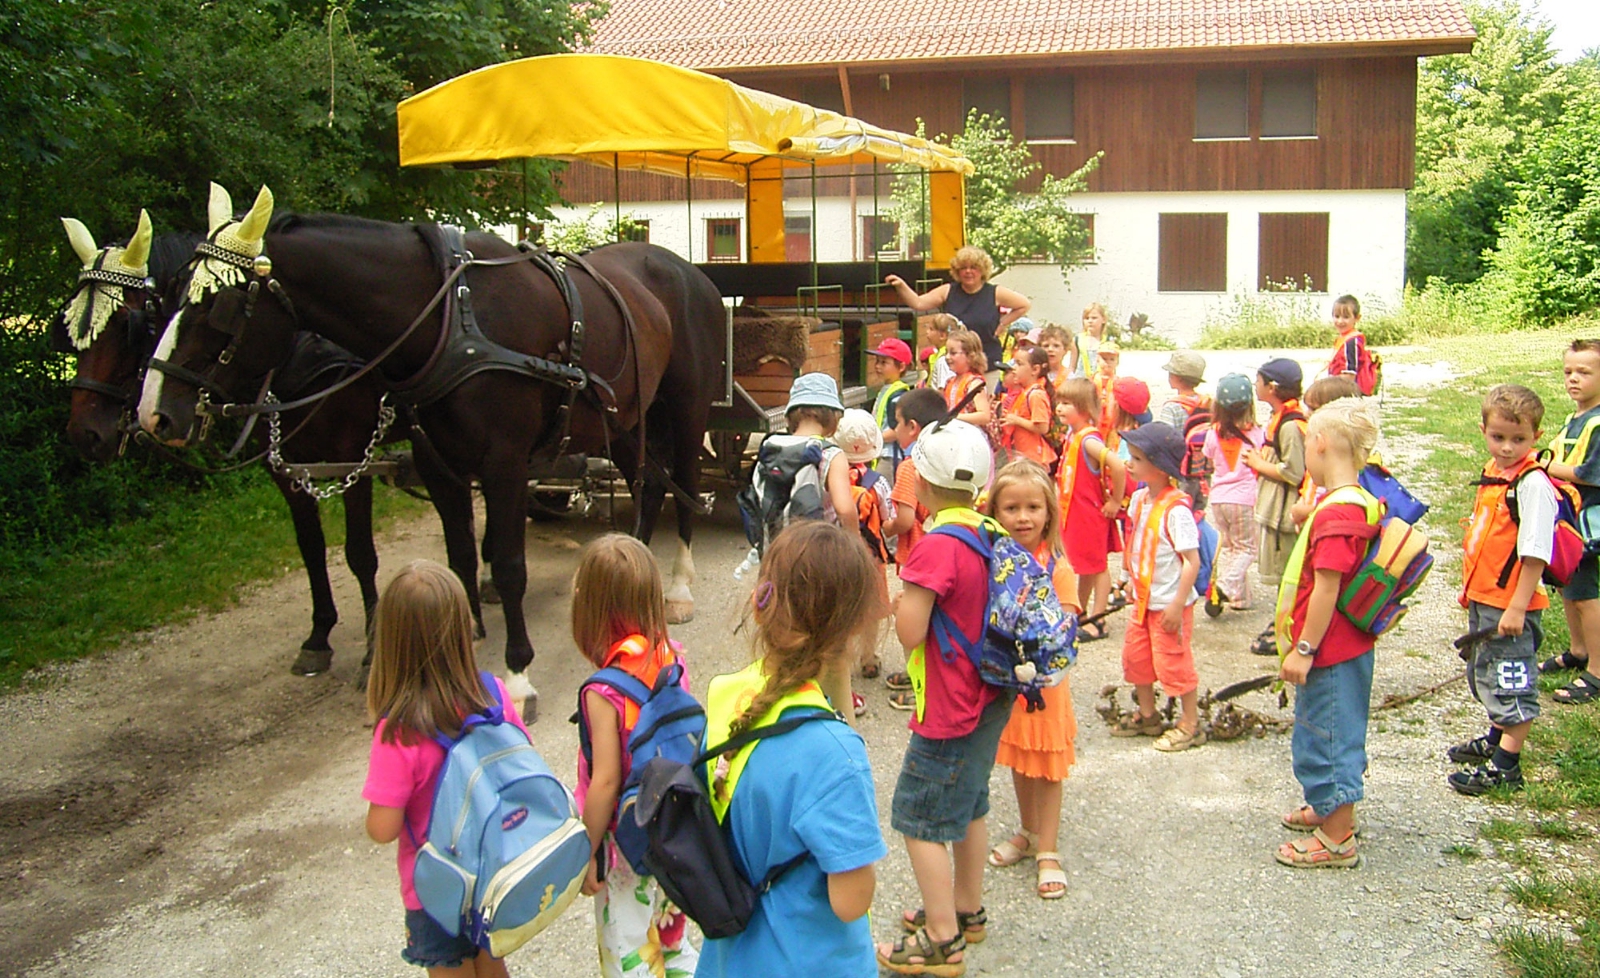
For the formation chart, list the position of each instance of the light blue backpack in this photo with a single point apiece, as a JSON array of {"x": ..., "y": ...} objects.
[{"x": 506, "y": 851}]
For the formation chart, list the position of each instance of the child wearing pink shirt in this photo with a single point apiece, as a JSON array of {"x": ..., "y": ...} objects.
[{"x": 1231, "y": 505}]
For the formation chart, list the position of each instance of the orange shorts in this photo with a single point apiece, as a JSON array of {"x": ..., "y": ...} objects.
[{"x": 1150, "y": 654}]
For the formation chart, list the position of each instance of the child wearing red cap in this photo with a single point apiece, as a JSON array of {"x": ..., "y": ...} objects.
[{"x": 889, "y": 363}]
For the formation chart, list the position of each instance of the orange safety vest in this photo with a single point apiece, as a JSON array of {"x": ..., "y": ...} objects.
[
  {"x": 634, "y": 656},
  {"x": 1067, "y": 471},
  {"x": 1149, "y": 520},
  {"x": 1490, "y": 540}
]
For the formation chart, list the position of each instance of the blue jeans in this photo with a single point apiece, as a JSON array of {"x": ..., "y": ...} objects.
[
  {"x": 430, "y": 946},
  {"x": 944, "y": 784},
  {"x": 1329, "y": 745}
]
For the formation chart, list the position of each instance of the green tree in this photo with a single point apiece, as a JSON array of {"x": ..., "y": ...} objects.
[
  {"x": 1008, "y": 222},
  {"x": 1477, "y": 113}
]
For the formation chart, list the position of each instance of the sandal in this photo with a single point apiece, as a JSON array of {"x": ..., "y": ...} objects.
[
  {"x": 974, "y": 926},
  {"x": 1565, "y": 660},
  {"x": 1056, "y": 878},
  {"x": 1177, "y": 739},
  {"x": 870, "y": 670},
  {"x": 1299, "y": 820},
  {"x": 1265, "y": 644},
  {"x": 932, "y": 958},
  {"x": 905, "y": 699},
  {"x": 1092, "y": 632},
  {"x": 1317, "y": 851},
  {"x": 1136, "y": 724},
  {"x": 1581, "y": 690},
  {"x": 858, "y": 704},
  {"x": 897, "y": 681},
  {"x": 1008, "y": 854}
]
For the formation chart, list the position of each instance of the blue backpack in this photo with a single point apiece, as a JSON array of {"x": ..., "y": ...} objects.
[
  {"x": 1397, "y": 501},
  {"x": 1209, "y": 541},
  {"x": 1028, "y": 638},
  {"x": 671, "y": 724},
  {"x": 506, "y": 852}
]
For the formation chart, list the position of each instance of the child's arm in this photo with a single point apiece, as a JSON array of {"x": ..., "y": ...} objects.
[
  {"x": 1514, "y": 617},
  {"x": 912, "y": 615},
  {"x": 1319, "y": 615},
  {"x": 980, "y": 414},
  {"x": 1115, "y": 470},
  {"x": 838, "y": 485},
  {"x": 850, "y": 892},
  {"x": 384, "y": 823},
  {"x": 1172, "y": 614},
  {"x": 605, "y": 776}
]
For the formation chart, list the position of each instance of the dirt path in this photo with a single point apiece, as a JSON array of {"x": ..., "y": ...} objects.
[{"x": 185, "y": 805}]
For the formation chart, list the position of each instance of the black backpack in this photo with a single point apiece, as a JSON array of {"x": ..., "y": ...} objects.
[
  {"x": 689, "y": 852},
  {"x": 785, "y": 484}
]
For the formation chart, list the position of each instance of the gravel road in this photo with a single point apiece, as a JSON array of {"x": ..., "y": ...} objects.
[{"x": 185, "y": 806}]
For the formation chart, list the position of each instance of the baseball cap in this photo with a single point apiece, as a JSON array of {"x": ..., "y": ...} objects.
[
  {"x": 1033, "y": 336},
  {"x": 814, "y": 390},
  {"x": 1109, "y": 348},
  {"x": 1234, "y": 390},
  {"x": 858, "y": 435},
  {"x": 1160, "y": 442},
  {"x": 953, "y": 455},
  {"x": 895, "y": 349},
  {"x": 1133, "y": 396},
  {"x": 1021, "y": 324},
  {"x": 1281, "y": 370},
  {"x": 1191, "y": 366}
]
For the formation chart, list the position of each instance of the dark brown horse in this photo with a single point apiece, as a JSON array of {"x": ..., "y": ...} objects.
[
  {"x": 110, "y": 362},
  {"x": 362, "y": 283}
]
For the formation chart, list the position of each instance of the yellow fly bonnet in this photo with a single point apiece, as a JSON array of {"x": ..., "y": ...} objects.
[
  {"x": 234, "y": 245},
  {"x": 105, "y": 274}
]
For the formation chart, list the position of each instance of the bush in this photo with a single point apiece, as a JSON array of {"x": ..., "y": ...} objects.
[{"x": 1295, "y": 320}]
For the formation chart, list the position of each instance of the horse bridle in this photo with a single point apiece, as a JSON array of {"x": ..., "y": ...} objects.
[{"x": 139, "y": 317}]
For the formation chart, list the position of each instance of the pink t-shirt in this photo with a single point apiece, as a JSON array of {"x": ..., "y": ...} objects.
[
  {"x": 403, "y": 776},
  {"x": 1233, "y": 483},
  {"x": 958, "y": 578}
]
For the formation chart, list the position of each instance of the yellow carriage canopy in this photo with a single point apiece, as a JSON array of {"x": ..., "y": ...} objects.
[{"x": 634, "y": 114}]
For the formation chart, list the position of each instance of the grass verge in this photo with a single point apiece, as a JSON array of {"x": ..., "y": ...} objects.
[
  {"x": 191, "y": 554},
  {"x": 1562, "y": 758}
]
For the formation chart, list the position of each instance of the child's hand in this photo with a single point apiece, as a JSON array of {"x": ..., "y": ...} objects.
[
  {"x": 591, "y": 881},
  {"x": 1299, "y": 511},
  {"x": 1511, "y": 622},
  {"x": 1172, "y": 618},
  {"x": 1295, "y": 669},
  {"x": 1110, "y": 509}
]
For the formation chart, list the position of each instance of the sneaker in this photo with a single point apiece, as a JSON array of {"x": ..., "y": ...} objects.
[
  {"x": 1475, "y": 751},
  {"x": 858, "y": 703},
  {"x": 897, "y": 680},
  {"x": 905, "y": 699},
  {"x": 1485, "y": 779}
]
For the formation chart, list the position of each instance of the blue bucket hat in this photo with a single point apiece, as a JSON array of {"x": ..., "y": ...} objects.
[
  {"x": 814, "y": 390},
  {"x": 1162, "y": 444}
]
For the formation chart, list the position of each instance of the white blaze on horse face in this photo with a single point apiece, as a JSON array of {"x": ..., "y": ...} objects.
[
  {"x": 150, "y": 396},
  {"x": 680, "y": 602}
]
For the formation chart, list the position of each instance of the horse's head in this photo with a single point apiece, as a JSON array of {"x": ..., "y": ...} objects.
[
  {"x": 109, "y": 324},
  {"x": 233, "y": 325}
]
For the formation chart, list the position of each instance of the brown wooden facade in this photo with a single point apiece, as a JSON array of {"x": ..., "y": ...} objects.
[{"x": 1141, "y": 115}]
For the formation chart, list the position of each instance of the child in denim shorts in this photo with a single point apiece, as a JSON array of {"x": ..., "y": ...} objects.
[
  {"x": 1502, "y": 561},
  {"x": 1328, "y": 656},
  {"x": 942, "y": 795}
]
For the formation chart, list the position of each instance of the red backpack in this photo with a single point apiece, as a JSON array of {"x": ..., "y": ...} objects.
[{"x": 1195, "y": 469}]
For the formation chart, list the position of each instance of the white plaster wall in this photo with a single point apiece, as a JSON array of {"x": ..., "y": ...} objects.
[{"x": 1366, "y": 249}]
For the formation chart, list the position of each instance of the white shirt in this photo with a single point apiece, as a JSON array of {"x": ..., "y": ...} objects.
[{"x": 1536, "y": 509}]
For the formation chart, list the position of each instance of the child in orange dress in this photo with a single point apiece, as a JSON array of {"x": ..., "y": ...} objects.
[
  {"x": 1025, "y": 420},
  {"x": 1037, "y": 746},
  {"x": 1089, "y": 482},
  {"x": 1105, "y": 380},
  {"x": 967, "y": 363}
]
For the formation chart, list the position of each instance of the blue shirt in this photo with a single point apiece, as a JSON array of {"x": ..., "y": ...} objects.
[{"x": 809, "y": 790}]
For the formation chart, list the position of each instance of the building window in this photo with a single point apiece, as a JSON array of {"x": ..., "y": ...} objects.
[
  {"x": 879, "y": 234},
  {"x": 635, "y": 229},
  {"x": 824, "y": 94},
  {"x": 990, "y": 96},
  {"x": 1047, "y": 108},
  {"x": 1293, "y": 253},
  {"x": 1288, "y": 104},
  {"x": 797, "y": 237},
  {"x": 1222, "y": 105},
  {"x": 1193, "y": 253},
  {"x": 722, "y": 239}
]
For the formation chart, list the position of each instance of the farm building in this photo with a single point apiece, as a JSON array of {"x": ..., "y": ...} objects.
[{"x": 1248, "y": 143}]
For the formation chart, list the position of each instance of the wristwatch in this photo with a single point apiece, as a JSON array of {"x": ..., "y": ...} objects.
[{"x": 1305, "y": 648}]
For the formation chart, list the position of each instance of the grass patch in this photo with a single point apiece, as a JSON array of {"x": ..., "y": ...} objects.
[
  {"x": 190, "y": 554},
  {"x": 1537, "y": 953},
  {"x": 1503, "y": 830},
  {"x": 1462, "y": 850}
]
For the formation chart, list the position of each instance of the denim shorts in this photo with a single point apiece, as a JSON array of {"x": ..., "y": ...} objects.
[
  {"x": 1585, "y": 583},
  {"x": 1505, "y": 669},
  {"x": 944, "y": 784},
  {"x": 430, "y": 946},
  {"x": 1329, "y": 745}
]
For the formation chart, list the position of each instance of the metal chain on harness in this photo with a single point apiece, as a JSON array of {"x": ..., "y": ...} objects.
[{"x": 305, "y": 483}]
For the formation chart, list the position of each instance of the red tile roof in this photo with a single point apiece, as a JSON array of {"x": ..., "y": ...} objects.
[{"x": 724, "y": 34}]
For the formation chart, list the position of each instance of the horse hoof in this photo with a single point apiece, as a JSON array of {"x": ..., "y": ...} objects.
[
  {"x": 679, "y": 612},
  {"x": 518, "y": 688},
  {"x": 487, "y": 592},
  {"x": 311, "y": 662}
]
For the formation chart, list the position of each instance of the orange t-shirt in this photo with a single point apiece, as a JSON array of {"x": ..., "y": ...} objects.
[
  {"x": 904, "y": 493},
  {"x": 1034, "y": 405}
]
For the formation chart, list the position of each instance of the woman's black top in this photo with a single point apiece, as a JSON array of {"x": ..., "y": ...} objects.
[{"x": 979, "y": 312}]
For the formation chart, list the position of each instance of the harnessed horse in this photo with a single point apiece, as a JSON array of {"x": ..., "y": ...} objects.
[
  {"x": 522, "y": 373},
  {"x": 111, "y": 361}
]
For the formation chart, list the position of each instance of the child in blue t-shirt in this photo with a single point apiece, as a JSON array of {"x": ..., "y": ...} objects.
[{"x": 806, "y": 793}]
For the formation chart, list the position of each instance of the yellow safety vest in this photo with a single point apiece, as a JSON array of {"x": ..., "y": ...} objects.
[
  {"x": 1289, "y": 587},
  {"x": 726, "y": 699},
  {"x": 917, "y": 661}
]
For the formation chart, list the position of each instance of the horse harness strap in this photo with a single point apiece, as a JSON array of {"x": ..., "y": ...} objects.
[{"x": 630, "y": 336}]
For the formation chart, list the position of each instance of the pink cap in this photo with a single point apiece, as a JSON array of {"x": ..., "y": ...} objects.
[
  {"x": 1034, "y": 336},
  {"x": 895, "y": 349}
]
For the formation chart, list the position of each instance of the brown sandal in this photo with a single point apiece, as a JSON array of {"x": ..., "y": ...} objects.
[
  {"x": 974, "y": 926},
  {"x": 933, "y": 958},
  {"x": 1317, "y": 851}
]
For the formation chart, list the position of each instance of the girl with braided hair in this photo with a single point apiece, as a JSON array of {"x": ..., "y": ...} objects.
[{"x": 803, "y": 801}]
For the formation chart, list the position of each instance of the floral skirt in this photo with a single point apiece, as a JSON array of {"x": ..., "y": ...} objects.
[{"x": 642, "y": 935}]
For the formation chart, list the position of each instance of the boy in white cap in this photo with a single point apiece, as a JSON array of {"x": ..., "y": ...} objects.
[{"x": 942, "y": 795}]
